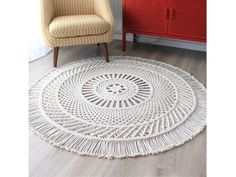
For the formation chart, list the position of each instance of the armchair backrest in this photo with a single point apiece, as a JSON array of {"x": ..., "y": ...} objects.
[{"x": 73, "y": 7}]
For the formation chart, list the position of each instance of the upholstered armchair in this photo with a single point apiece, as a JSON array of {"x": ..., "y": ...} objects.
[{"x": 76, "y": 22}]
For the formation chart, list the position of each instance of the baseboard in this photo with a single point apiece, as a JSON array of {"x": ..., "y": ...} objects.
[{"x": 166, "y": 42}]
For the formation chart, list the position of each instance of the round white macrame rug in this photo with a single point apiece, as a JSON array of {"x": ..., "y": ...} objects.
[{"x": 125, "y": 108}]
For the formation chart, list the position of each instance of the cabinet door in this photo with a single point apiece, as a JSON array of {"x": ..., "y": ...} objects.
[
  {"x": 145, "y": 15},
  {"x": 188, "y": 18}
]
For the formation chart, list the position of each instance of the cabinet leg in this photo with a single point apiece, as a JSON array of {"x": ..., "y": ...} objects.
[
  {"x": 123, "y": 41},
  {"x": 134, "y": 38}
]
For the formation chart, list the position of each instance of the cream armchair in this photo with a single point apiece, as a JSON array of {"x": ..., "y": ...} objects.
[{"x": 76, "y": 22}]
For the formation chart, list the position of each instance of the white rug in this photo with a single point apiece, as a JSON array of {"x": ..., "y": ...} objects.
[{"x": 125, "y": 108}]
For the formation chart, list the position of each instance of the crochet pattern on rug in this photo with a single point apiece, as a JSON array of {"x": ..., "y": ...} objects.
[{"x": 124, "y": 108}]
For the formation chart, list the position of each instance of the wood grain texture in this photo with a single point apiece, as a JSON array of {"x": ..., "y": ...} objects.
[
  {"x": 105, "y": 51},
  {"x": 188, "y": 160},
  {"x": 55, "y": 56}
]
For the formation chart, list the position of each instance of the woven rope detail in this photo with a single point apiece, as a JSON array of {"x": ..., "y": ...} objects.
[
  {"x": 116, "y": 90},
  {"x": 132, "y": 101}
]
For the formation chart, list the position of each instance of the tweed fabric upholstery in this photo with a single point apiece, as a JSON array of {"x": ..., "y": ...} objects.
[
  {"x": 51, "y": 10},
  {"x": 73, "y": 7},
  {"x": 78, "y": 25}
]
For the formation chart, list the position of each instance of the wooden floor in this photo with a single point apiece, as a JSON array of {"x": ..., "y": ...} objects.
[{"x": 188, "y": 160}]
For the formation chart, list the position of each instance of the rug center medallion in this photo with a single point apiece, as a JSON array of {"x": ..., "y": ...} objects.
[{"x": 116, "y": 90}]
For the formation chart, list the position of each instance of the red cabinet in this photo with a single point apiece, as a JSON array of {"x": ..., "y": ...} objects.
[{"x": 179, "y": 19}]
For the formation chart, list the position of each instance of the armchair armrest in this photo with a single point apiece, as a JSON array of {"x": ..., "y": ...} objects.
[
  {"x": 47, "y": 14},
  {"x": 103, "y": 9}
]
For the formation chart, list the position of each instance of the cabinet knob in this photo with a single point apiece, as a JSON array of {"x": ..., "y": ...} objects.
[
  {"x": 172, "y": 14},
  {"x": 167, "y": 13}
]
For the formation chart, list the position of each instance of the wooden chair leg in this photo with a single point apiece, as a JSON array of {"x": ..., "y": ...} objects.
[
  {"x": 55, "y": 56},
  {"x": 105, "y": 51}
]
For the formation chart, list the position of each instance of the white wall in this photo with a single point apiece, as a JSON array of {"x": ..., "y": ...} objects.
[{"x": 117, "y": 12}]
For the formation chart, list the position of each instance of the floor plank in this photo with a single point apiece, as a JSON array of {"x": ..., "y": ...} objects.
[{"x": 188, "y": 160}]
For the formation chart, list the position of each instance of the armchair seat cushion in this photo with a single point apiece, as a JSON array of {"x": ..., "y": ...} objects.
[{"x": 77, "y": 25}]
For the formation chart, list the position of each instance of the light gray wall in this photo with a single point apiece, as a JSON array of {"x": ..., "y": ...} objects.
[{"x": 117, "y": 12}]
